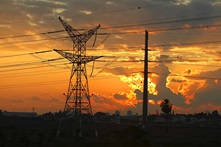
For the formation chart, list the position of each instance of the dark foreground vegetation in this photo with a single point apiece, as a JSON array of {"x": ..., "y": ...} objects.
[{"x": 37, "y": 132}]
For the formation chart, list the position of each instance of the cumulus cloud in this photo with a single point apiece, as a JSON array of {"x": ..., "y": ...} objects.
[{"x": 210, "y": 93}]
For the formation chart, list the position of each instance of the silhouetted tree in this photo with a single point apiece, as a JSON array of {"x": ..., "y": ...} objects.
[
  {"x": 215, "y": 115},
  {"x": 166, "y": 107},
  {"x": 100, "y": 115}
]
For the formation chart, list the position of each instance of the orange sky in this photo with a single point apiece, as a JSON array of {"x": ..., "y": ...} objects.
[{"x": 184, "y": 37}]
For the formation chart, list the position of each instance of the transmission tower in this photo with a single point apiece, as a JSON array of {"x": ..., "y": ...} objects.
[{"x": 78, "y": 103}]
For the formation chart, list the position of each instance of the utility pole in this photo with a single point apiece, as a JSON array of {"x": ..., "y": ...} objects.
[
  {"x": 145, "y": 83},
  {"x": 78, "y": 104}
]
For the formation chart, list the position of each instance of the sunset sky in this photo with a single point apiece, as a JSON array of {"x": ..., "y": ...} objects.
[{"x": 184, "y": 53}]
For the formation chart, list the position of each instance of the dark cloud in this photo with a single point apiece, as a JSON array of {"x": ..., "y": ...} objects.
[
  {"x": 211, "y": 74},
  {"x": 122, "y": 70},
  {"x": 139, "y": 94},
  {"x": 103, "y": 100},
  {"x": 120, "y": 96},
  {"x": 161, "y": 68},
  {"x": 97, "y": 99},
  {"x": 43, "y": 15},
  {"x": 211, "y": 91}
]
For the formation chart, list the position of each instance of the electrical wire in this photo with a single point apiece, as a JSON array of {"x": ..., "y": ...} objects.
[
  {"x": 30, "y": 63},
  {"x": 32, "y": 84},
  {"x": 188, "y": 43},
  {"x": 9, "y": 86},
  {"x": 162, "y": 22},
  {"x": 28, "y": 41},
  {"x": 38, "y": 73},
  {"x": 29, "y": 68},
  {"x": 16, "y": 55},
  {"x": 95, "y": 12},
  {"x": 28, "y": 35},
  {"x": 155, "y": 30},
  {"x": 123, "y": 26},
  {"x": 197, "y": 77}
]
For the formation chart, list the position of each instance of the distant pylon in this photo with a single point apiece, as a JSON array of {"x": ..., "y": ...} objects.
[{"x": 78, "y": 104}]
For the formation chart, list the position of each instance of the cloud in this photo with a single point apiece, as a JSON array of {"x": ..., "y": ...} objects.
[
  {"x": 139, "y": 94},
  {"x": 210, "y": 93},
  {"x": 120, "y": 96},
  {"x": 187, "y": 71},
  {"x": 121, "y": 70},
  {"x": 54, "y": 100},
  {"x": 16, "y": 101},
  {"x": 99, "y": 102},
  {"x": 35, "y": 98},
  {"x": 177, "y": 80},
  {"x": 182, "y": 2},
  {"x": 162, "y": 86},
  {"x": 188, "y": 89}
]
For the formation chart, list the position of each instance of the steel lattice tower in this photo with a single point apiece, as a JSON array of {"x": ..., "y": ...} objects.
[{"x": 77, "y": 98}]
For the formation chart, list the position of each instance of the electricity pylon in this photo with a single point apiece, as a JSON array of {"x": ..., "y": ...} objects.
[{"x": 78, "y": 102}]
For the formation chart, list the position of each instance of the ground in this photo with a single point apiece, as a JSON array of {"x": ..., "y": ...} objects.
[{"x": 42, "y": 133}]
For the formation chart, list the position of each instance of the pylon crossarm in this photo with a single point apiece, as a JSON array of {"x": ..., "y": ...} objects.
[
  {"x": 87, "y": 35},
  {"x": 67, "y": 55},
  {"x": 91, "y": 58},
  {"x": 77, "y": 36},
  {"x": 73, "y": 33},
  {"x": 73, "y": 58}
]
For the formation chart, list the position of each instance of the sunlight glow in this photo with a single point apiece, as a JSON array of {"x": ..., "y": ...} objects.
[{"x": 152, "y": 87}]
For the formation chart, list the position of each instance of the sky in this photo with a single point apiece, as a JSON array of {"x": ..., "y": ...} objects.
[{"x": 184, "y": 54}]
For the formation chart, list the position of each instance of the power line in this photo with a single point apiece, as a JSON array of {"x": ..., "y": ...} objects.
[
  {"x": 187, "y": 43},
  {"x": 184, "y": 28},
  {"x": 27, "y": 35},
  {"x": 161, "y": 30},
  {"x": 63, "y": 81},
  {"x": 30, "y": 63},
  {"x": 31, "y": 84},
  {"x": 32, "y": 53},
  {"x": 28, "y": 68},
  {"x": 31, "y": 73},
  {"x": 197, "y": 77},
  {"x": 28, "y": 41},
  {"x": 95, "y": 12},
  {"x": 163, "y": 22},
  {"x": 123, "y": 26},
  {"x": 8, "y": 86}
]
